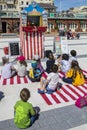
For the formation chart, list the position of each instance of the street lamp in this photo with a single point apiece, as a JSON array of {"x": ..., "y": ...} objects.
[
  {"x": 0, "y": 20},
  {"x": 60, "y": 5}
]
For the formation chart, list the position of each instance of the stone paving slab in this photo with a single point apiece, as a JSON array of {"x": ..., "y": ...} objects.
[{"x": 57, "y": 119}]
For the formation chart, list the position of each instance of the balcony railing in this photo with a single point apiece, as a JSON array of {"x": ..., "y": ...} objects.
[
  {"x": 10, "y": 15},
  {"x": 66, "y": 16}
]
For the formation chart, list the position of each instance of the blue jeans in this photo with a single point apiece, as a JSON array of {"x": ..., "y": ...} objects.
[
  {"x": 67, "y": 80},
  {"x": 49, "y": 91},
  {"x": 33, "y": 118}
]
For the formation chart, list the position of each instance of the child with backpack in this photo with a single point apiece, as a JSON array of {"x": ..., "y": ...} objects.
[{"x": 34, "y": 72}]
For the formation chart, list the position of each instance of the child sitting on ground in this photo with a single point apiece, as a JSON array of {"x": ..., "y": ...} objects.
[
  {"x": 50, "y": 62},
  {"x": 8, "y": 69},
  {"x": 22, "y": 66},
  {"x": 74, "y": 75},
  {"x": 24, "y": 113},
  {"x": 34, "y": 72},
  {"x": 63, "y": 63},
  {"x": 73, "y": 54},
  {"x": 39, "y": 65},
  {"x": 49, "y": 85}
]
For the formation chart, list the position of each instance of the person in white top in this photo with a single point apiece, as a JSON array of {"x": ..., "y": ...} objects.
[
  {"x": 63, "y": 63},
  {"x": 22, "y": 65},
  {"x": 49, "y": 85},
  {"x": 73, "y": 55},
  {"x": 8, "y": 69}
]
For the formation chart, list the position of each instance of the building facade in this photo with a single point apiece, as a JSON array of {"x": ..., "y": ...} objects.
[
  {"x": 10, "y": 16},
  {"x": 76, "y": 23}
]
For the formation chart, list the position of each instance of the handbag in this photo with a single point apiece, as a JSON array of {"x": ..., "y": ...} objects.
[{"x": 81, "y": 101}]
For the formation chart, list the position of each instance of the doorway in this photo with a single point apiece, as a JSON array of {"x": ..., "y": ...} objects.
[
  {"x": 34, "y": 20},
  {"x": 3, "y": 27}
]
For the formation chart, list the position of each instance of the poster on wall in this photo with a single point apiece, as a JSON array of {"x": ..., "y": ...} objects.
[
  {"x": 57, "y": 45},
  {"x": 64, "y": 45},
  {"x": 24, "y": 19},
  {"x": 60, "y": 45},
  {"x": 45, "y": 18}
]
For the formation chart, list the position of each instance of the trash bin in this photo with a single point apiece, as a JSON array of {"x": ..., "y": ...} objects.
[{"x": 6, "y": 50}]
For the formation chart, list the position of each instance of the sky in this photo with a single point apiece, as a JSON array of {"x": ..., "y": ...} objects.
[{"x": 66, "y": 4}]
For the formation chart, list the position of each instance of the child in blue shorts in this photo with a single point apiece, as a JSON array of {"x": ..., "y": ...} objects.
[{"x": 49, "y": 85}]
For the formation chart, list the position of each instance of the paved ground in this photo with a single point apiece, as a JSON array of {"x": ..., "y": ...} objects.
[{"x": 55, "y": 117}]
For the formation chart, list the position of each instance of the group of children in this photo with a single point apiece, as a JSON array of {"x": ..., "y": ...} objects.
[
  {"x": 48, "y": 77},
  {"x": 24, "y": 113},
  {"x": 8, "y": 69}
]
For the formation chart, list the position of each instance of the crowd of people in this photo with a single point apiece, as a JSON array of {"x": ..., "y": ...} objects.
[
  {"x": 69, "y": 34},
  {"x": 24, "y": 113}
]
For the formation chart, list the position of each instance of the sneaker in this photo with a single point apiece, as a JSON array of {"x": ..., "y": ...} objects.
[{"x": 41, "y": 91}]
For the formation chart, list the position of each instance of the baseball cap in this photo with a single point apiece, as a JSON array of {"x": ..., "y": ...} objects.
[{"x": 21, "y": 58}]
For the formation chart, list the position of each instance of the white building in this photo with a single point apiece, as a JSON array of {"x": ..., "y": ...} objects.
[{"x": 25, "y": 3}]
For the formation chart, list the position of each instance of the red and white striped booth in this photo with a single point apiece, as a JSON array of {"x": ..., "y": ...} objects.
[{"x": 32, "y": 41}]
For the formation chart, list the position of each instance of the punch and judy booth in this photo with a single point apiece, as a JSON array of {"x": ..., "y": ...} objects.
[{"x": 33, "y": 23}]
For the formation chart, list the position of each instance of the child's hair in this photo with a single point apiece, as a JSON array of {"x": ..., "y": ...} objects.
[
  {"x": 51, "y": 55},
  {"x": 76, "y": 68},
  {"x": 54, "y": 68},
  {"x": 73, "y": 53},
  {"x": 65, "y": 57},
  {"x": 5, "y": 60},
  {"x": 24, "y": 94},
  {"x": 23, "y": 63}
]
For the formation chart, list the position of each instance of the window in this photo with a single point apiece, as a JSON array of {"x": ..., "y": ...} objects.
[
  {"x": 27, "y": 3},
  {"x": 21, "y": 8},
  {"x": 10, "y": 6},
  {"x": 73, "y": 26},
  {"x": 0, "y": 7},
  {"x": 61, "y": 25},
  {"x": 4, "y": 6},
  {"x": 22, "y": 2},
  {"x": 83, "y": 26}
]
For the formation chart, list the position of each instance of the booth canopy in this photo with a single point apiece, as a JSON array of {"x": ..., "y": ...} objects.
[{"x": 34, "y": 7}]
